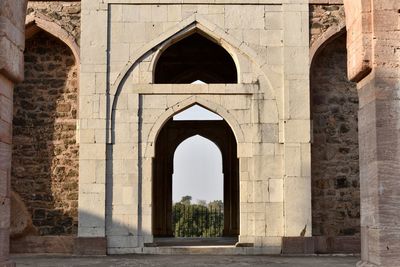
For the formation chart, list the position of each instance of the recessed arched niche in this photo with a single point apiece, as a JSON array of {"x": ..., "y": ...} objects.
[{"x": 194, "y": 58}]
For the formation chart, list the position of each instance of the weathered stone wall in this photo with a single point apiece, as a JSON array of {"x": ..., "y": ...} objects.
[
  {"x": 11, "y": 71},
  {"x": 66, "y": 14},
  {"x": 322, "y": 17},
  {"x": 335, "y": 165},
  {"x": 45, "y": 152}
]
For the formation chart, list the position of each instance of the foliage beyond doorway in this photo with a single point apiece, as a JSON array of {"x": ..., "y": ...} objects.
[{"x": 198, "y": 220}]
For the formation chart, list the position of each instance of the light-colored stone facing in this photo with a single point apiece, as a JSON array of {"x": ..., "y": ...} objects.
[{"x": 268, "y": 117}]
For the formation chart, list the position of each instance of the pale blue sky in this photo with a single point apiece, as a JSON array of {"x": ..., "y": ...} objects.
[{"x": 197, "y": 163}]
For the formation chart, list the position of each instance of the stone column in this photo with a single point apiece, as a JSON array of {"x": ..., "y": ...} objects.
[
  {"x": 12, "y": 41},
  {"x": 373, "y": 60}
]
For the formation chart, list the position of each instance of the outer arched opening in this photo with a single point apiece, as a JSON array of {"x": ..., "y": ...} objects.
[{"x": 195, "y": 58}]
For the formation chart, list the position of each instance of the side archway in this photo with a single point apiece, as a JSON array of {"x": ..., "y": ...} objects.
[
  {"x": 335, "y": 146},
  {"x": 44, "y": 123}
]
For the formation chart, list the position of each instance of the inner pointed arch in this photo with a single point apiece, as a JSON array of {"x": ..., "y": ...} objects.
[
  {"x": 197, "y": 113},
  {"x": 198, "y": 170}
]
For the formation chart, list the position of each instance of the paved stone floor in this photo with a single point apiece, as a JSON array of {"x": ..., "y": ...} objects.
[{"x": 185, "y": 260}]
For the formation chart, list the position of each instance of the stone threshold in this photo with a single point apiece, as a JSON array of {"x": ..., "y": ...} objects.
[
  {"x": 317, "y": 245},
  {"x": 193, "y": 241},
  {"x": 211, "y": 250}
]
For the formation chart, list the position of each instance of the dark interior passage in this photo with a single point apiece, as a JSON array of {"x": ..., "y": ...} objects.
[{"x": 195, "y": 58}]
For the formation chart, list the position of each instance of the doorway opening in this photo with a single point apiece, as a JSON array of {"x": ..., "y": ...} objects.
[
  {"x": 197, "y": 189},
  {"x": 187, "y": 205}
]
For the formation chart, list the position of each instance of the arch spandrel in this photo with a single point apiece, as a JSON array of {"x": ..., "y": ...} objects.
[{"x": 178, "y": 107}]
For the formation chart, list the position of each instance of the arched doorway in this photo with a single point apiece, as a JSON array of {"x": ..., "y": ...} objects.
[
  {"x": 170, "y": 137},
  {"x": 45, "y": 148}
]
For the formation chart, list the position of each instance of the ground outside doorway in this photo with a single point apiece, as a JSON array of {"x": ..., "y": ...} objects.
[{"x": 185, "y": 260}]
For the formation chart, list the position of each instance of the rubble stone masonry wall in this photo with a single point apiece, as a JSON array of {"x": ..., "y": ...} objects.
[
  {"x": 322, "y": 17},
  {"x": 334, "y": 111},
  {"x": 65, "y": 14},
  {"x": 334, "y": 150},
  {"x": 11, "y": 71},
  {"x": 45, "y": 152}
]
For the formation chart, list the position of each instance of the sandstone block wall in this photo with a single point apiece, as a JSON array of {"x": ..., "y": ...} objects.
[{"x": 373, "y": 45}]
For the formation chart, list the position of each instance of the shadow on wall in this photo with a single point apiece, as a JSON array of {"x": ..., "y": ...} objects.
[
  {"x": 45, "y": 152},
  {"x": 71, "y": 244},
  {"x": 335, "y": 152}
]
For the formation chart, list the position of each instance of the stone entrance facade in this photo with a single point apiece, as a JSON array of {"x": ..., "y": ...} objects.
[
  {"x": 317, "y": 154},
  {"x": 267, "y": 110}
]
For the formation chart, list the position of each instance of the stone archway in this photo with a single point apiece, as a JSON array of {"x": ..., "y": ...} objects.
[
  {"x": 36, "y": 22},
  {"x": 171, "y": 135}
]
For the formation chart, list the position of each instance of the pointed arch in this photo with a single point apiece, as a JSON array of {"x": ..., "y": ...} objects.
[
  {"x": 178, "y": 63},
  {"x": 212, "y": 176},
  {"x": 327, "y": 37},
  {"x": 35, "y": 22},
  {"x": 195, "y": 22},
  {"x": 180, "y": 106},
  {"x": 186, "y": 27}
]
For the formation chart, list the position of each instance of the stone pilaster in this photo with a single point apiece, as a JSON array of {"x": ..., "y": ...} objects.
[{"x": 373, "y": 45}]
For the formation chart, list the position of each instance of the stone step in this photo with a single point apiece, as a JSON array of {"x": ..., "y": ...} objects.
[{"x": 211, "y": 250}]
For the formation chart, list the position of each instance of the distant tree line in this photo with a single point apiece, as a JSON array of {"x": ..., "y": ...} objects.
[{"x": 198, "y": 220}]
